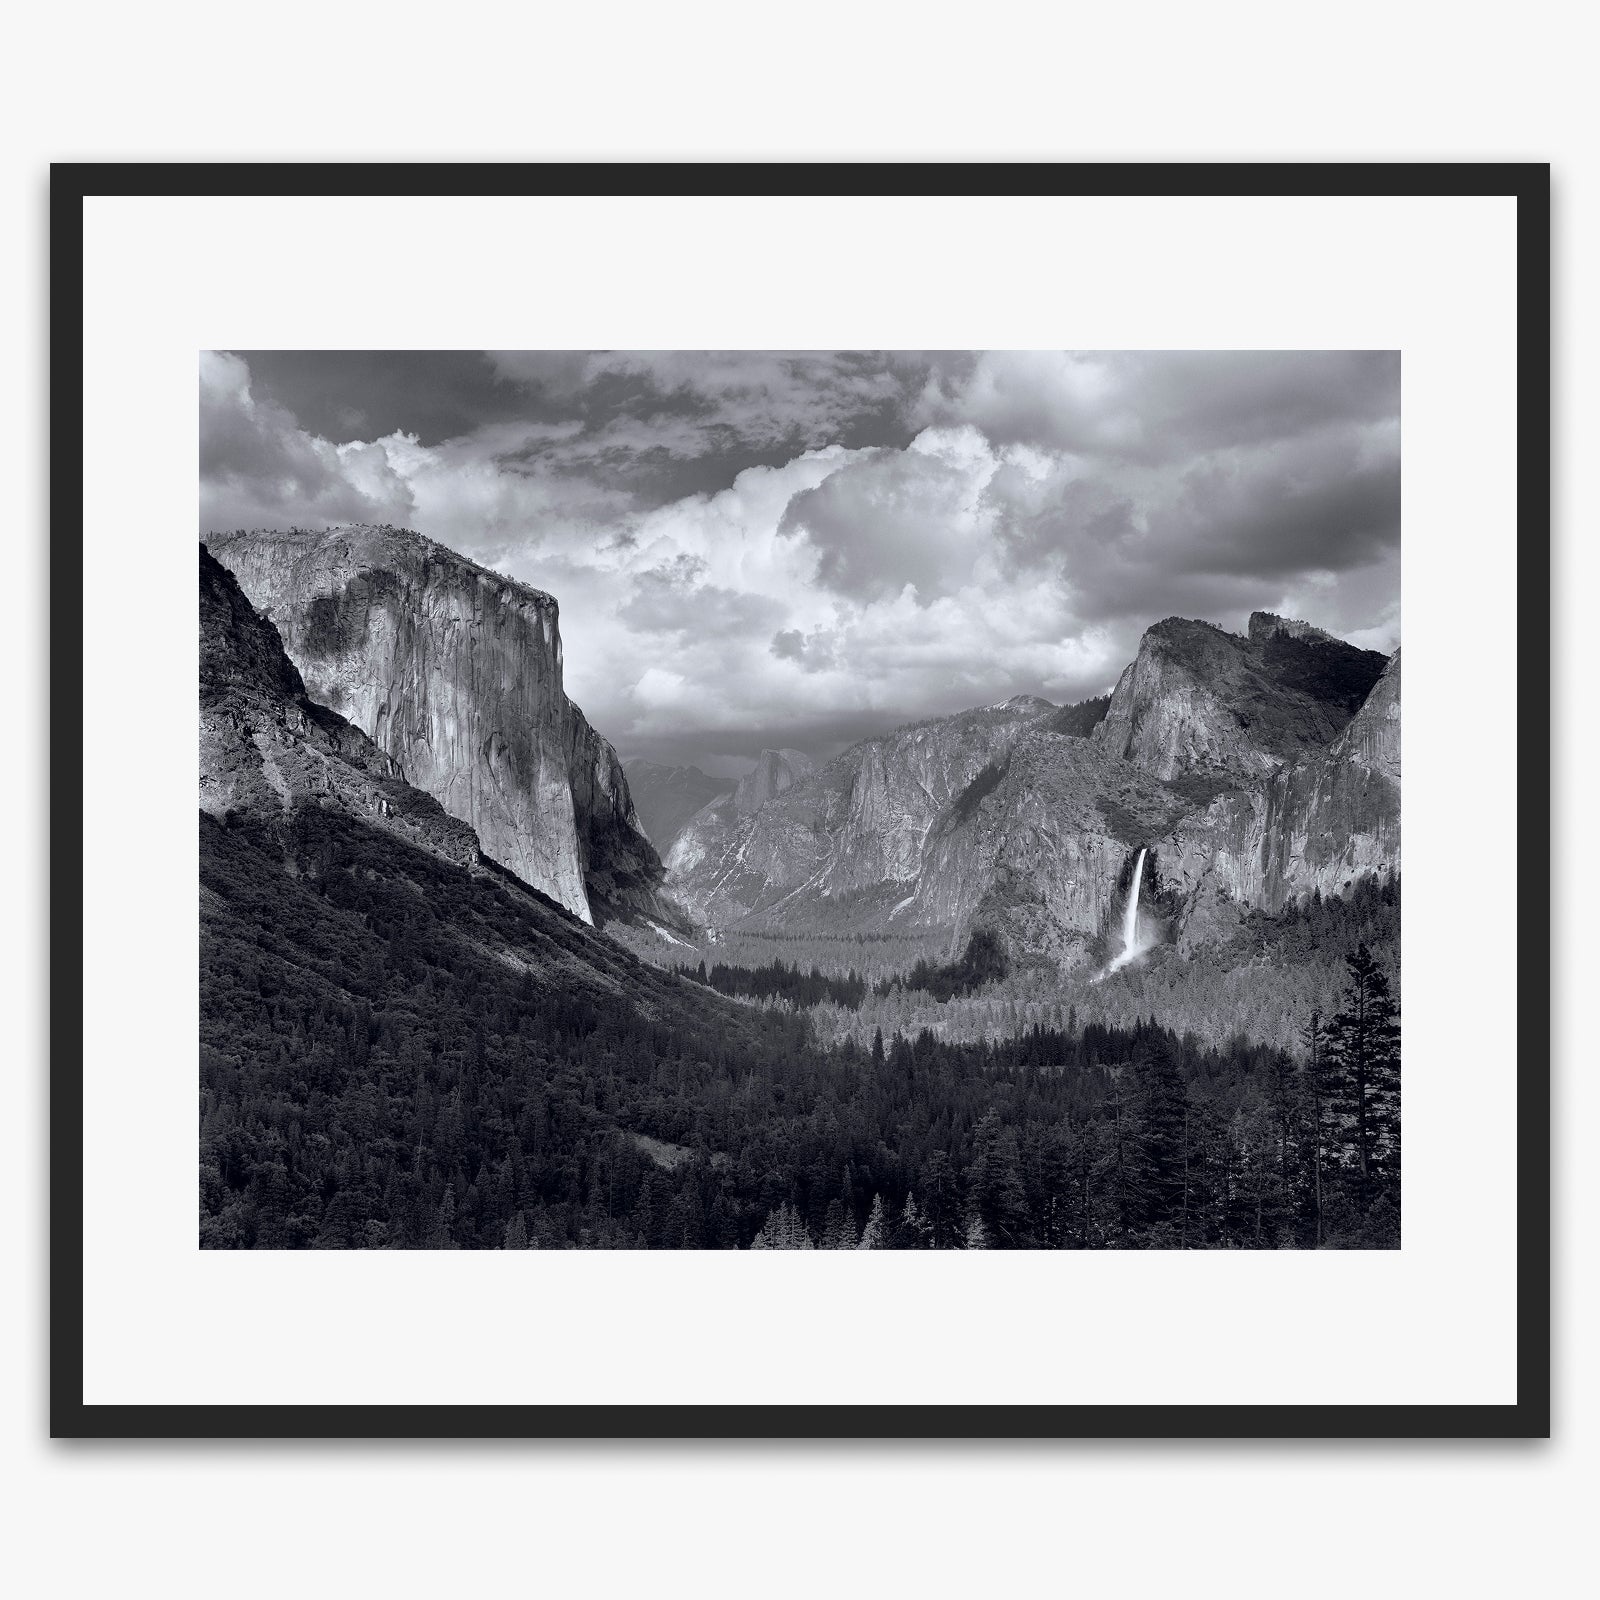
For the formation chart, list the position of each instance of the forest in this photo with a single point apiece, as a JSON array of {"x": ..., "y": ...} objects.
[{"x": 399, "y": 1053}]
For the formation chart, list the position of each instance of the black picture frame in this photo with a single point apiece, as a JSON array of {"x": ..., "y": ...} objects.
[{"x": 1529, "y": 1417}]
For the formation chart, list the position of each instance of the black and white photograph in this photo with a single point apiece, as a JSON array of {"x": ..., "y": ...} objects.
[{"x": 819, "y": 800}]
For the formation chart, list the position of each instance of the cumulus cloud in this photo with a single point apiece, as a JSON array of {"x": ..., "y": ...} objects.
[
  {"x": 899, "y": 519},
  {"x": 759, "y": 549}
]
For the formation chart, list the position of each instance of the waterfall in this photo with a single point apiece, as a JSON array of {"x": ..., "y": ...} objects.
[
  {"x": 1130, "y": 924},
  {"x": 1130, "y": 916}
]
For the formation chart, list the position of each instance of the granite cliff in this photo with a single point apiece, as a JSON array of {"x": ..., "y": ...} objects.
[
  {"x": 268, "y": 749},
  {"x": 1198, "y": 702},
  {"x": 1316, "y": 824},
  {"x": 1255, "y": 768},
  {"x": 455, "y": 673}
]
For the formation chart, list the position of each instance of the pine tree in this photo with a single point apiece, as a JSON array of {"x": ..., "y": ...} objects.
[
  {"x": 995, "y": 1192},
  {"x": 1317, "y": 1091},
  {"x": 940, "y": 1202},
  {"x": 913, "y": 1231},
  {"x": 1364, "y": 1045},
  {"x": 1161, "y": 1144},
  {"x": 873, "y": 1235}
]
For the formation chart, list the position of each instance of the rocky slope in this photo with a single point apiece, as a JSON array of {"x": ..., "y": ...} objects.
[
  {"x": 1318, "y": 823},
  {"x": 665, "y": 798},
  {"x": 267, "y": 749},
  {"x": 1235, "y": 760},
  {"x": 1204, "y": 704},
  {"x": 455, "y": 672}
]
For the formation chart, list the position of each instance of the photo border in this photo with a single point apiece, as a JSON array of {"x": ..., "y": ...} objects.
[{"x": 70, "y": 1417}]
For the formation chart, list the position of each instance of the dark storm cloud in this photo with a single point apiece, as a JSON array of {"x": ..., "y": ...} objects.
[
  {"x": 694, "y": 420},
  {"x": 1159, "y": 406},
  {"x": 365, "y": 394},
  {"x": 1247, "y": 519},
  {"x": 1275, "y": 526}
]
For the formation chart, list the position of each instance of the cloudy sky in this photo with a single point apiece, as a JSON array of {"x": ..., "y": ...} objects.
[{"x": 759, "y": 549}]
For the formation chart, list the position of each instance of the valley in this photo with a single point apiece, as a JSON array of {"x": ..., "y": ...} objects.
[{"x": 462, "y": 988}]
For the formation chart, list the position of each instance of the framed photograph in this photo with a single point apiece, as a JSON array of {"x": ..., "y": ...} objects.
[{"x": 846, "y": 711}]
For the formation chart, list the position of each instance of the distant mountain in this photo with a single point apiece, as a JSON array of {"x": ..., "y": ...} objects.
[
  {"x": 1081, "y": 719},
  {"x": 455, "y": 672},
  {"x": 797, "y": 845},
  {"x": 1234, "y": 761},
  {"x": 775, "y": 773},
  {"x": 666, "y": 797}
]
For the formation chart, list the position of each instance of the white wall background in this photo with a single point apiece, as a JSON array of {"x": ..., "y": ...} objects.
[{"x": 829, "y": 81}]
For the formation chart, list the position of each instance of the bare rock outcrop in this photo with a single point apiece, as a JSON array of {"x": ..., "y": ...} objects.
[
  {"x": 455, "y": 672},
  {"x": 267, "y": 748},
  {"x": 1200, "y": 702},
  {"x": 1317, "y": 824}
]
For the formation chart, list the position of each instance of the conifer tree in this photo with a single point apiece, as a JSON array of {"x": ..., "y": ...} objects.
[
  {"x": 1317, "y": 1095},
  {"x": 1160, "y": 1145},
  {"x": 1364, "y": 1045},
  {"x": 873, "y": 1236},
  {"x": 913, "y": 1231}
]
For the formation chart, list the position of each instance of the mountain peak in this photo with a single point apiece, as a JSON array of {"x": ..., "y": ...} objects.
[
  {"x": 1198, "y": 700},
  {"x": 1030, "y": 705},
  {"x": 774, "y": 772}
]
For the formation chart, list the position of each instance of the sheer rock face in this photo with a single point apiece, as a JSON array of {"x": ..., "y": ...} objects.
[
  {"x": 455, "y": 672},
  {"x": 1041, "y": 855},
  {"x": 1318, "y": 823},
  {"x": 266, "y": 748},
  {"x": 1199, "y": 702}
]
